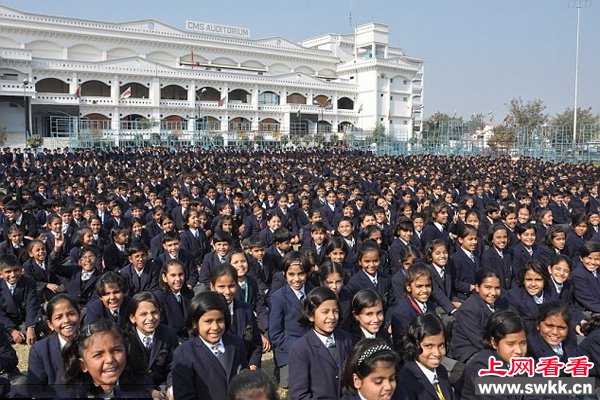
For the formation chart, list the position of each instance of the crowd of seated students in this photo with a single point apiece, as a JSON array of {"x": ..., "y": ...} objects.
[{"x": 194, "y": 263}]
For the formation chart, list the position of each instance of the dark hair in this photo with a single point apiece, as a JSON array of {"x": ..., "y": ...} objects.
[
  {"x": 110, "y": 278},
  {"x": 135, "y": 302},
  {"x": 223, "y": 270},
  {"x": 77, "y": 238},
  {"x": 363, "y": 359},
  {"x": 74, "y": 350},
  {"x": 537, "y": 267},
  {"x": 200, "y": 305},
  {"x": 117, "y": 230},
  {"x": 422, "y": 326},
  {"x": 501, "y": 324},
  {"x": 252, "y": 385},
  {"x": 434, "y": 209},
  {"x": 59, "y": 297},
  {"x": 561, "y": 258},
  {"x": 254, "y": 241},
  {"x": 313, "y": 300},
  {"x": 415, "y": 271},
  {"x": 365, "y": 298},
  {"x": 9, "y": 261},
  {"x": 221, "y": 236},
  {"x": 327, "y": 267},
  {"x": 498, "y": 226},
  {"x": 552, "y": 232},
  {"x": 403, "y": 224},
  {"x": 521, "y": 228},
  {"x": 483, "y": 273},
  {"x": 336, "y": 242},
  {"x": 553, "y": 308},
  {"x": 170, "y": 236},
  {"x": 292, "y": 258},
  {"x": 591, "y": 325},
  {"x": 465, "y": 230},
  {"x": 430, "y": 247},
  {"x": 137, "y": 247},
  {"x": 281, "y": 235},
  {"x": 366, "y": 247},
  {"x": 164, "y": 270},
  {"x": 318, "y": 226},
  {"x": 588, "y": 248}
]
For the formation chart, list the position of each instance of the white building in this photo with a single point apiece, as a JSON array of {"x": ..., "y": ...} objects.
[{"x": 194, "y": 81}]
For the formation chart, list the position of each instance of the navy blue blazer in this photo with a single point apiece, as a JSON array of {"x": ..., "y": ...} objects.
[
  {"x": 567, "y": 297},
  {"x": 469, "y": 324},
  {"x": 394, "y": 251},
  {"x": 198, "y": 374},
  {"x": 266, "y": 236},
  {"x": 147, "y": 282},
  {"x": 288, "y": 220},
  {"x": 254, "y": 297},
  {"x": 477, "y": 363},
  {"x": 398, "y": 283},
  {"x": 21, "y": 253},
  {"x": 417, "y": 386},
  {"x": 502, "y": 265},
  {"x": 360, "y": 281},
  {"x": 431, "y": 232},
  {"x": 41, "y": 276},
  {"x": 463, "y": 272},
  {"x": 96, "y": 311},
  {"x": 21, "y": 307},
  {"x": 209, "y": 263},
  {"x": 45, "y": 365},
  {"x": 314, "y": 374},
  {"x": 113, "y": 258},
  {"x": 442, "y": 292},
  {"x": 312, "y": 247},
  {"x": 252, "y": 226},
  {"x": 574, "y": 242},
  {"x": 156, "y": 245},
  {"x": 590, "y": 346},
  {"x": 520, "y": 256},
  {"x": 401, "y": 315},
  {"x": 263, "y": 275},
  {"x": 159, "y": 359},
  {"x": 538, "y": 348},
  {"x": 243, "y": 325},
  {"x": 284, "y": 328},
  {"x": 74, "y": 286},
  {"x": 8, "y": 355},
  {"x": 587, "y": 289},
  {"x": 523, "y": 303},
  {"x": 194, "y": 245},
  {"x": 173, "y": 313}
]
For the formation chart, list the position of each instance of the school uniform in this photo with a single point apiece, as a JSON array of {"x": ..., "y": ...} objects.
[
  {"x": 199, "y": 374},
  {"x": 273, "y": 253},
  {"x": 479, "y": 362},
  {"x": 114, "y": 259},
  {"x": 361, "y": 280},
  {"x": 442, "y": 292},
  {"x": 520, "y": 255},
  {"x": 315, "y": 369},
  {"x": 359, "y": 334},
  {"x": 159, "y": 357},
  {"x": 537, "y": 347},
  {"x": 41, "y": 276},
  {"x": 574, "y": 242},
  {"x": 97, "y": 311},
  {"x": 590, "y": 346},
  {"x": 346, "y": 319},
  {"x": 524, "y": 304},
  {"x": 431, "y": 232},
  {"x": 142, "y": 238},
  {"x": 501, "y": 263},
  {"x": 210, "y": 262},
  {"x": 152, "y": 228},
  {"x": 288, "y": 220},
  {"x": 253, "y": 226},
  {"x": 75, "y": 285},
  {"x": 469, "y": 324},
  {"x": 545, "y": 254},
  {"x": 398, "y": 246},
  {"x": 45, "y": 366},
  {"x": 179, "y": 216},
  {"x": 243, "y": 325},
  {"x": 399, "y": 282},
  {"x": 21, "y": 309},
  {"x": 418, "y": 386},
  {"x": 587, "y": 289},
  {"x": 147, "y": 281},
  {"x": 329, "y": 215},
  {"x": 464, "y": 269},
  {"x": 7, "y": 247},
  {"x": 266, "y": 235},
  {"x": 263, "y": 272},
  {"x": 284, "y": 328},
  {"x": 189, "y": 266},
  {"x": 251, "y": 294},
  {"x": 318, "y": 251},
  {"x": 172, "y": 311},
  {"x": 194, "y": 243},
  {"x": 403, "y": 313},
  {"x": 51, "y": 240}
]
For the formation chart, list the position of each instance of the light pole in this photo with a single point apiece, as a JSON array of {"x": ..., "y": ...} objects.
[
  {"x": 579, "y": 4},
  {"x": 322, "y": 107},
  {"x": 25, "y": 108},
  {"x": 199, "y": 100}
]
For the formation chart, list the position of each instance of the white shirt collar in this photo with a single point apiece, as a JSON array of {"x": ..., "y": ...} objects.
[
  {"x": 230, "y": 306},
  {"x": 210, "y": 346},
  {"x": 439, "y": 226},
  {"x": 421, "y": 305},
  {"x": 142, "y": 336},
  {"x": 323, "y": 338},
  {"x": 439, "y": 270},
  {"x": 139, "y": 273},
  {"x": 429, "y": 374},
  {"x": 61, "y": 342},
  {"x": 371, "y": 277},
  {"x": 298, "y": 292},
  {"x": 367, "y": 334}
]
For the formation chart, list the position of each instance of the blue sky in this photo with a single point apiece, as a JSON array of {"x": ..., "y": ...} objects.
[{"x": 478, "y": 54}]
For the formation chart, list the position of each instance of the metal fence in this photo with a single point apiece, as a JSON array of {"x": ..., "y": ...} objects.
[{"x": 452, "y": 138}]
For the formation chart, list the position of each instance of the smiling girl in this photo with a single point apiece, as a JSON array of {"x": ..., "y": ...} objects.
[{"x": 316, "y": 359}]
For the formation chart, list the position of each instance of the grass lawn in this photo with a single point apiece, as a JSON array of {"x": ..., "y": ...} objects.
[{"x": 267, "y": 364}]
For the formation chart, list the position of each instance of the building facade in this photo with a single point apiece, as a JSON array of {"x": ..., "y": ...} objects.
[{"x": 119, "y": 77}]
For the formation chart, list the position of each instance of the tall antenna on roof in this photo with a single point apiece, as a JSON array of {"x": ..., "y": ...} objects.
[{"x": 350, "y": 13}]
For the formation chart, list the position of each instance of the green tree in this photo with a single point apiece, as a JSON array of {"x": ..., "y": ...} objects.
[
  {"x": 528, "y": 114},
  {"x": 562, "y": 124},
  {"x": 377, "y": 134},
  {"x": 2, "y": 134},
  {"x": 504, "y": 137}
]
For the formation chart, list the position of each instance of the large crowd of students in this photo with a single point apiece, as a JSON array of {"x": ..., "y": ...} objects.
[{"x": 168, "y": 273}]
